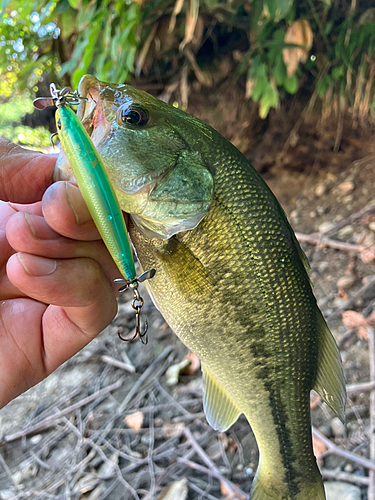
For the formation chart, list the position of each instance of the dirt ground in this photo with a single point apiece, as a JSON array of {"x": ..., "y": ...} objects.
[{"x": 112, "y": 423}]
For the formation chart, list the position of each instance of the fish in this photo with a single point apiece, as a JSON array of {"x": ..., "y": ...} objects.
[{"x": 231, "y": 278}]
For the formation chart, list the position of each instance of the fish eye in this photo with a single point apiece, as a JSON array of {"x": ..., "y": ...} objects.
[{"x": 134, "y": 115}]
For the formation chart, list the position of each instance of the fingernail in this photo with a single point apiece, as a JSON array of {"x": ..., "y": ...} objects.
[
  {"x": 36, "y": 266},
  {"x": 39, "y": 228},
  {"x": 77, "y": 204}
]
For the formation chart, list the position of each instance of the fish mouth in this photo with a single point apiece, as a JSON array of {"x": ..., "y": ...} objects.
[
  {"x": 92, "y": 113},
  {"x": 91, "y": 110}
]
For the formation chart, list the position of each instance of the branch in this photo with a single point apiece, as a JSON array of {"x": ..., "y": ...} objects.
[
  {"x": 332, "y": 448},
  {"x": 231, "y": 488},
  {"x": 319, "y": 239}
]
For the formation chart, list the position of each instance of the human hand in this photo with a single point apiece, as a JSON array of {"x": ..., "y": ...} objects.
[{"x": 56, "y": 275}]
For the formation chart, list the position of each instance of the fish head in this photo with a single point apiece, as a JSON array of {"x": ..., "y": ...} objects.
[{"x": 152, "y": 154}]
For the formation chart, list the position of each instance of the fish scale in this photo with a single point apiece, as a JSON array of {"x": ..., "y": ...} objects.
[
  {"x": 254, "y": 302},
  {"x": 231, "y": 279}
]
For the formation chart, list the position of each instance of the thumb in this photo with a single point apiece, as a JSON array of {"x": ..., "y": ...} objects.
[{"x": 24, "y": 174}]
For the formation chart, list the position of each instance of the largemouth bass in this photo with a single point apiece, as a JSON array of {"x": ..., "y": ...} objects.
[{"x": 231, "y": 278}]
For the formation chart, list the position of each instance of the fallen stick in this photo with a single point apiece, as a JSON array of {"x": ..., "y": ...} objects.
[
  {"x": 232, "y": 489},
  {"x": 332, "y": 448},
  {"x": 364, "y": 387},
  {"x": 119, "y": 364},
  {"x": 368, "y": 209},
  {"x": 344, "y": 476},
  {"x": 320, "y": 240},
  {"x": 349, "y": 303},
  {"x": 51, "y": 420}
]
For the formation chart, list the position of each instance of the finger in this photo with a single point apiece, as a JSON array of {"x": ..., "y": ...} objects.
[
  {"x": 31, "y": 234},
  {"x": 24, "y": 174},
  {"x": 66, "y": 212},
  {"x": 32, "y": 208},
  {"x": 7, "y": 289},
  {"x": 22, "y": 360},
  {"x": 77, "y": 285}
]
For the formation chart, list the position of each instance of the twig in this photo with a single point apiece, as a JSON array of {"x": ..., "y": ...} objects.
[
  {"x": 371, "y": 347},
  {"x": 51, "y": 420},
  {"x": 346, "y": 336},
  {"x": 349, "y": 303},
  {"x": 8, "y": 472},
  {"x": 142, "y": 379},
  {"x": 94, "y": 446},
  {"x": 231, "y": 487},
  {"x": 119, "y": 364},
  {"x": 332, "y": 448},
  {"x": 368, "y": 209},
  {"x": 150, "y": 494},
  {"x": 344, "y": 476},
  {"x": 319, "y": 239},
  {"x": 150, "y": 371},
  {"x": 172, "y": 400},
  {"x": 203, "y": 494},
  {"x": 364, "y": 387}
]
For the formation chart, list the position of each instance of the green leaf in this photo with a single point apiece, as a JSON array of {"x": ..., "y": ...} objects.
[
  {"x": 77, "y": 75},
  {"x": 279, "y": 71},
  {"x": 74, "y": 3},
  {"x": 276, "y": 9},
  {"x": 291, "y": 84},
  {"x": 270, "y": 99},
  {"x": 338, "y": 72}
]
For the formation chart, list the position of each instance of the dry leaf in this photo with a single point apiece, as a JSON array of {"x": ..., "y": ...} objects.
[
  {"x": 346, "y": 282},
  {"x": 299, "y": 33},
  {"x": 232, "y": 445},
  {"x": 229, "y": 493},
  {"x": 172, "y": 430},
  {"x": 194, "y": 366},
  {"x": 353, "y": 319},
  {"x": 191, "y": 20},
  {"x": 368, "y": 255},
  {"x": 315, "y": 400},
  {"x": 135, "y": 420},
  {"x": 177, "y": 490},
  {"x": 177, "y": 9},
  {"x": 318, "y": 447},
  {"x": 174, "y": 371},
  {"x": 362, "y": 332},
  {"x": 370, "y": 320}
]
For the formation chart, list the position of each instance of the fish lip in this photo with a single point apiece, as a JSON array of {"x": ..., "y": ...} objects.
[{"x": 89, "y": 88}]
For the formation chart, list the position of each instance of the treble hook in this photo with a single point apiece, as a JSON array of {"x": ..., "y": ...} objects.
[
  {"x": 137, "y": 304},
  {"x": 59, "y": 97}
]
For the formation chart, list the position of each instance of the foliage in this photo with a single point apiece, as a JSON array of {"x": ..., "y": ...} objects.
[
  {"x": 287, "y": 46},
  {"x": 12, "y": 113}
]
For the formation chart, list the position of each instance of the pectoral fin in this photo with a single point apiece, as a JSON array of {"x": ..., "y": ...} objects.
[
  {"x": 330, "y": 384},
  {"x": 220, "y": 410}
]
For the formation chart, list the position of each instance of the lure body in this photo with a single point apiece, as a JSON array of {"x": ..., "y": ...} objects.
[{"x": 96, "y": 189}]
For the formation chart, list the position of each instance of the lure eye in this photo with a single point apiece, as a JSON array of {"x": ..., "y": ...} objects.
[
  {"x": 58, "y": 124},
  {"x": 134, "y": 115}
]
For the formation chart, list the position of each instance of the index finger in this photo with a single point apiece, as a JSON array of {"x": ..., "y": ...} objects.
[{"x": 24, "y": 174}]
